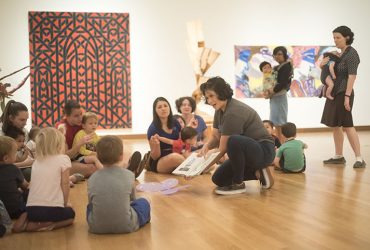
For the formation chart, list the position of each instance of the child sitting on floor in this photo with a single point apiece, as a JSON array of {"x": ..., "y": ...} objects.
[
  {"x": 180, "y": 120},
  {"x": 269, "y": 125},
  {"x": 11, "y": 179},
  {"x": 112, "y": 207},
  {"x": 87, "y": 153},
  {"x": 290, "y": 156},
  {"x": 31, "y": 144},
  {"x": 5, "y": 221},
  {"x": 24, "y": 159},
  {"x": 47, "y": 206},
  {"x": 188, "y": 138}
]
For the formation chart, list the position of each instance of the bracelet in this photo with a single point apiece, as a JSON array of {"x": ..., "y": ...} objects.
[{"x": 348, "y": 96}]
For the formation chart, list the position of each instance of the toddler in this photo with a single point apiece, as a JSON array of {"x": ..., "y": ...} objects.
[
  {"x": 112, "y": 207},
  {"x": 188, "y": 138},
  {"x": 5, "y": 221},
  {"x": 47, "y": 205},
  {"x": 328, "y": 74},
  {"x": 24, "y": 159},
  {"x": 11, "y": 179},
  {"x": 87, "y": 153},
  {"x": 269, "y": 79},
  {"x": 31, "y": 144},
  {"x": 181, "y": 120},
  {"x": 269, "y": 125},
  {"x": 290, "y": 156}
]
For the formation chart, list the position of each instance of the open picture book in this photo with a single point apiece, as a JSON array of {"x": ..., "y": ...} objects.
[{"x": 194, "y": 165}]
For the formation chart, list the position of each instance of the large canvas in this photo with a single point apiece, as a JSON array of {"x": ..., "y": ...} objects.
[
  {"x": 306, "y": 59},
  {"x": 81, "y": 56}
]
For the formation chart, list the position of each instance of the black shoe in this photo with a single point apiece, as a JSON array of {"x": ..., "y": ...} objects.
[
  {"x": 359, "y": 164},
  {"x": 340, "y": 160},
  {"x": 232, "y": 189},
  {"x": 134, "y": 162},
  {"x": 144, "y": 163},
  {"x": 266, "y": 179}
]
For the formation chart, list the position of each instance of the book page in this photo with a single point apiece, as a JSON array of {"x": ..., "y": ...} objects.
[{"x": 194, "y": 165}]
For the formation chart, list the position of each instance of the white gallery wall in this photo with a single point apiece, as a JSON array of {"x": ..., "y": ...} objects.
[{"x": 160, "y": 65}]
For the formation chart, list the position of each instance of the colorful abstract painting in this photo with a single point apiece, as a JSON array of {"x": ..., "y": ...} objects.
[
  {"x": 306, "y": 60},
  {"x": 80, "y": 56}
]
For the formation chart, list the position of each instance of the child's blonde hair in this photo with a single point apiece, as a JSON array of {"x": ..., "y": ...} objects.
[
  {"x": 50, "y": 141},
  {"x": 87, "y": 116},
  {"x": 109, "y": 149},
  {"x": 6, "y": 143}
]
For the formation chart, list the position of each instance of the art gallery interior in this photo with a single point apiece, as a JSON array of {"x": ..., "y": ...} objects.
[{"x": 324, "y": 208}]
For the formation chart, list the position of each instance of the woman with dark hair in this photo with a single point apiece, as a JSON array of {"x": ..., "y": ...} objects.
[
  {"x": 239, "y": 132},
  {"x": 337, "y": 113},
  {"x": 162, "y": 160},
  {"x": 14, "y": 118},
  {"x": 15, "y": 114},
  {"x": 278, "y": 98},
  {"x": 186, "y": 106}
]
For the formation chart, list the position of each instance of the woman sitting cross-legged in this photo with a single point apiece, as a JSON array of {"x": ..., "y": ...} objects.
[{"x": 161, "y": 159}]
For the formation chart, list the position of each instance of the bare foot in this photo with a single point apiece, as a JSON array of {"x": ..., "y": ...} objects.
[
  {"x": 328, "y": 93},
  {"x": 40, "y": 226},
  {"x": 21, "y": 224}
]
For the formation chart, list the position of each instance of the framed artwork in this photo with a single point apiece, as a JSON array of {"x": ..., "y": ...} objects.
[
  {"x": 80, "y": 56},
  {"x": 306, "y": 60}
]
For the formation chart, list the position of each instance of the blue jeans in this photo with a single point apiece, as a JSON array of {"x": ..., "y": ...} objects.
[
  {"x": 142, "y": 208},
  {"x": 246, "y": 156}
]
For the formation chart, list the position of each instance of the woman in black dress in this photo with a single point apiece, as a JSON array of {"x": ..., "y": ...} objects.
[{"x": 337, "y": 113}]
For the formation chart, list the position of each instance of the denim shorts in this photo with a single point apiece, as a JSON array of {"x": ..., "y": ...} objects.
[{"x": 142, "y": 208}]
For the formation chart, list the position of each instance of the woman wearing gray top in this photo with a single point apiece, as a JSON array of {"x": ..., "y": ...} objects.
[
  {"x": 337, "y": 113},
  {"x": 239, "y": 132}
]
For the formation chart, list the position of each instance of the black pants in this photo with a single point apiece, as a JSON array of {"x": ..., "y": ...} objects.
[{"x": 246, "y": 155}]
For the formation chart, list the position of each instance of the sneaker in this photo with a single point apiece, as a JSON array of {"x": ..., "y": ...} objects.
[
  {"x": 232, "y": 189},
  {"x": 143, "y": 164},
  {"x": 266, "y": 179},
  {"x": 146, "y": 161},
  {"x": 359, "y": 164},
  {"x": 340, "y": 160},
  {"x": 134, "y": 162}
]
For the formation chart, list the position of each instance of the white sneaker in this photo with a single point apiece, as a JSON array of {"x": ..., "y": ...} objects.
[{"x": 266, "y": 179}]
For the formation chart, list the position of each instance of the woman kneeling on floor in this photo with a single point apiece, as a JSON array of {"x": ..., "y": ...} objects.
[{"x": 239, "y": 132}]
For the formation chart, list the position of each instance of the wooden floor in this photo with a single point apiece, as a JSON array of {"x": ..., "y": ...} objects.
[{"x": 328, "y": 207}]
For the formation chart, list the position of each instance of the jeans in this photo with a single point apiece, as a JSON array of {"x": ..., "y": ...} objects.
[{"x": 246, "y": 156}]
